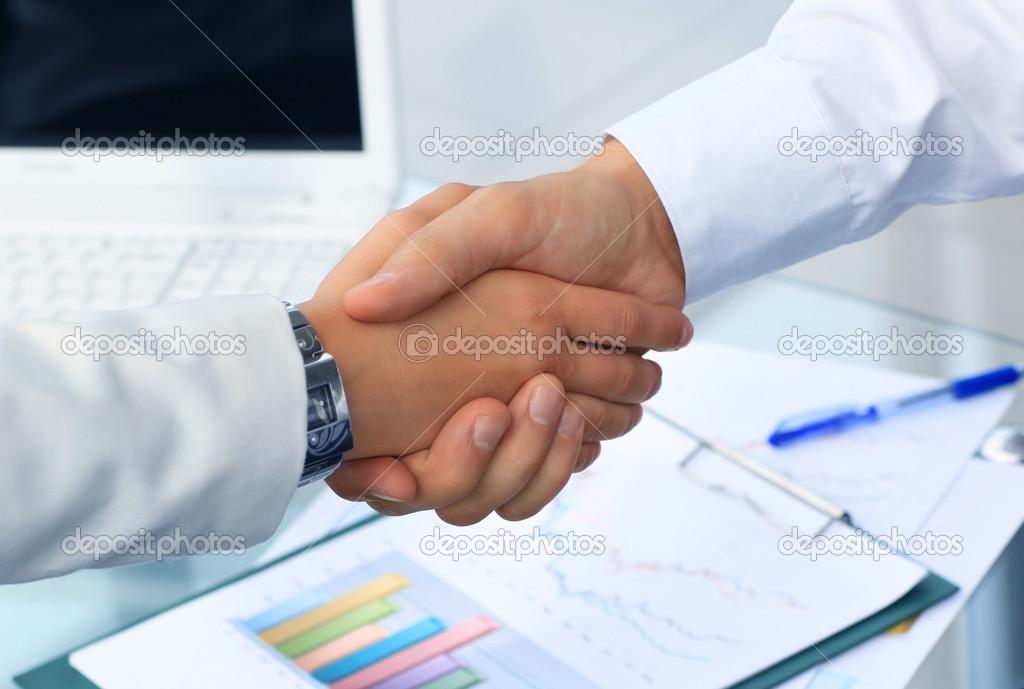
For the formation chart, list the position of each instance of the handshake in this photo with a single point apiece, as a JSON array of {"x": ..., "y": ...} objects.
[{"x": 490, "y": 338}]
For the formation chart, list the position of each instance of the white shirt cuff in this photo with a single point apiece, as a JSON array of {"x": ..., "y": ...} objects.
[{"x": 740, "y": 208}]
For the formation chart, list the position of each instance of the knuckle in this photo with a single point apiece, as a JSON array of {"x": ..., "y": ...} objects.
[
  {"x": 621, "y": 421},
  {"x": 593, "y": 452},
  {"x": 512, "y": 193},
  {"x": 632, "y": 420},
  {"x": 654, "y": 373},
  {"x": 516, "y": 513},
  {"x": 455, "y": 189},
  {"x": 459, "y": 517},
  {"x": 449, "y": 486},
  {"x": 405, "y": 218},
  {"x": 456, "y": 485},
  {"x": 566, "y": 367},
  {"x": 607, "y": 420},
  {"x": 389, "y": 509},
  {"x": 594, "y": 432},
  {"x": 628, "y": 381},
  {"x": 602, "y": 418},
  {"x": 630, "y": 320}
]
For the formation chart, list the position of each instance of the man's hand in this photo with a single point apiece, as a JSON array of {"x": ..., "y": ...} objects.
[
  {"x": 466, "y": 460},
  {"x": 601, "y": 224},
  {"x": 399, "y": 394},
  {"x": 464, "y": 479}
]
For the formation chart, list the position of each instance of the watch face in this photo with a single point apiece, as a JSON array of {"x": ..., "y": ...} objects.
[
  {"x": 320, "y": 410},
  {"x": 329, "y": 430}
]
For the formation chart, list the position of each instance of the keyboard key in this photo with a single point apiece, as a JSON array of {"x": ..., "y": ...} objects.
[{"x": 68, "y": 276}]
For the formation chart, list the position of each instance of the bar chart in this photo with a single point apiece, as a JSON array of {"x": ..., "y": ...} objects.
[{"x": 393, "y": 625}]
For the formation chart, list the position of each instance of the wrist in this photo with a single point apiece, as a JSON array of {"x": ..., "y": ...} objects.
[
  {"x": 362, "y": 375},
  {"x": 644, "y": 203},
  {"x": 329, "y": 329},
  {"x": 328, "y": 425},
  {"x": 650, "y": 224}
]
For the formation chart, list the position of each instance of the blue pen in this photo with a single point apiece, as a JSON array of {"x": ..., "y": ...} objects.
[{"x": 838, "y": 419}]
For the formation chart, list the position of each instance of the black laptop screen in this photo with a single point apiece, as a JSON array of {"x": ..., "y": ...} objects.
[{"x": 276, "y": 73}]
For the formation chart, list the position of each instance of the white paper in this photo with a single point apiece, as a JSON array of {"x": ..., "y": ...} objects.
[
  {"x": 698, "y": 387},
  {"x": 887, "y": 475},
  {"x": 985, "y": 510},
  {"x": 690, "y": 584}
]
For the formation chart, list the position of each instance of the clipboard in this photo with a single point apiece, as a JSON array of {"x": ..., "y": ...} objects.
[{"x": 929, "y": 591}]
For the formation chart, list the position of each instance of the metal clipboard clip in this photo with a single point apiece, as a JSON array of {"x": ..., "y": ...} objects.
[{"x": 772, "y": 477}]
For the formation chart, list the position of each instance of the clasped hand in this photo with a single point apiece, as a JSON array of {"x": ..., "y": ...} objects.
[{"x": 484, "y": 394}]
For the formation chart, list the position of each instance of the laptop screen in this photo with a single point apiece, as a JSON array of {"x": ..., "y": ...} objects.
[{"x": 280, "y": 74}]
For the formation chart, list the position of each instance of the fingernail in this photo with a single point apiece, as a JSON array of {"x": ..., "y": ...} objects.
[
  {"x": 379, "y": 279},
  {"x": 571, "y": 423},
  {"x": 687, "y": 333},
  {"x": 545, "y": 405},
  {"x": 383, "y": 495},
  {"x": 488, "y": 431}
]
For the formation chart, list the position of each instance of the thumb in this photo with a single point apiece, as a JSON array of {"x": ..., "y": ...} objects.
[
  {"x": 373, "y": 478},
  {"x": 451, "y": 468},
  {"x": 489, "y": 229}
]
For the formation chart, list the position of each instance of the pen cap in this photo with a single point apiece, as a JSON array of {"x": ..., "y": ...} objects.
[{"x": 968, "y": 387}]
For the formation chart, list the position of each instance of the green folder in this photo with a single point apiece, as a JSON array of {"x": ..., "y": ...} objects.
[{"x": 58, "y": 673}]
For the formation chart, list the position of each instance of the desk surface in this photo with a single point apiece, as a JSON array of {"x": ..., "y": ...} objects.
[{"x": 44, "y": 619}]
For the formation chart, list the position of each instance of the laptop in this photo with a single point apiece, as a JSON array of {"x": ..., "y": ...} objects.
[{"x": 153, "y": 151}]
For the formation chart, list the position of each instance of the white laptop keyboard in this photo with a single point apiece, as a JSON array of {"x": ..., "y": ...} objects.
[{"x": 62, "y": 277}]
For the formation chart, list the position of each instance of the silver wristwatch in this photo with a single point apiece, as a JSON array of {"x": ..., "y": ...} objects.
[{"x": 328, "y": 428}]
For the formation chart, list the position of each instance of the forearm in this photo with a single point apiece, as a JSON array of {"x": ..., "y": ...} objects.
[{"x": 189, "y": 445}]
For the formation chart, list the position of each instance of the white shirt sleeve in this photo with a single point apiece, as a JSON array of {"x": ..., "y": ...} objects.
[
  {"x": 146, "y": 453},
  {"x": 736, "y": 156}
]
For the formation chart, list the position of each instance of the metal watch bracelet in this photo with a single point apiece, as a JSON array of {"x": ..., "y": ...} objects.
[{"x": 328, "y": 426}]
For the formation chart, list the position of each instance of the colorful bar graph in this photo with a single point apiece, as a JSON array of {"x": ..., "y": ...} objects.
[
  {"x": 422, "y": 673},
  {"x": 374, "y": 628},
  {"x": 304, "y": 602},
  {"x": 378, "y": 588},
  {"x": 341, "y": 647},
  {"x": 339, "y": 626},
  {"x": 398, "y": 661},
  {"x": 460, "y": 679},
  {"x": 382, "y": 649}
]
